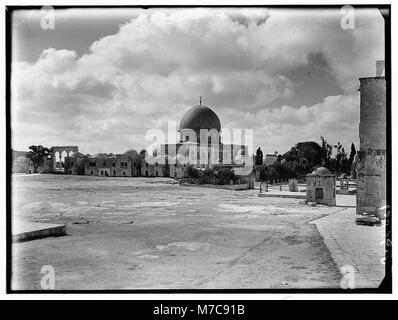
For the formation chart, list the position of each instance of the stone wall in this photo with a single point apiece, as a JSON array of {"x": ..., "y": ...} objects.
[
  {"x": 293, "y": 185},
  {"x": 178, "y": 171},
  {"x": 59, "y": 152},
  {"x": 153, "y": 169},
  {"x": 21, "y": 165},
  {"x": 120, "y": 165}
]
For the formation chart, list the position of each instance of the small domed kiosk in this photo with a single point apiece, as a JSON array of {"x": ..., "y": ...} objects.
[{"x": 321, "y": 187}]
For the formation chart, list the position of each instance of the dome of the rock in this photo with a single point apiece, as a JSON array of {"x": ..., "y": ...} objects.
[{"x": 200, "y": 117}]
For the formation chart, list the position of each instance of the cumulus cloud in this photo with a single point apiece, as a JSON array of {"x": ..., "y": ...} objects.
[
  {"x": 159, "y": 63},
  {"x": 278, "y": 129}
]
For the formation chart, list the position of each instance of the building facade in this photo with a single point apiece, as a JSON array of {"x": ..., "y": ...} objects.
[
  {"x": 270, "y": 159},
  {"x": 59, "y": 154},
  {"x": 127, "y": 164},
  {"x": 150, "y": 167},
  {"x": 200, "y": 146}
]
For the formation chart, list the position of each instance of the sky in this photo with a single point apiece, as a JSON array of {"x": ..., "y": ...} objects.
[{"x": 101, "y": 78}]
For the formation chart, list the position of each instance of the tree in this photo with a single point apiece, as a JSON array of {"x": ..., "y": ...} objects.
[
  {"x": 37, "y": 156},
  {"x": 309, "y": 150},
  {"x": 340, "y": 161},
  {"x": 193, "y": 173},
  {"x": 352, "y": 154},
  {"x": 208, "y": 175},
  {"x": 326, "y": 153},
  {"x": 273, "y": 174},
  {"x": 264, "y": 174},
  {"x": 225, "y": 175},
  {"x": 350, "y": 170},
  {"x": 143, "y": 154},
  {"x": 284, "y": 171},
  {"x": 303, "y": 157}
]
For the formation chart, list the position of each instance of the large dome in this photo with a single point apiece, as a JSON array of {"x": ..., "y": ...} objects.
[{"x": 200, "y": 117}]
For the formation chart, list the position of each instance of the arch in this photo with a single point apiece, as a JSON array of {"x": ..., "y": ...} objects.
[
  {"x": 59, "y": 153},
  {"x": 63, "y": 156}
]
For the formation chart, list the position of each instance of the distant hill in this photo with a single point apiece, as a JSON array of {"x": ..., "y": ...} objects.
[{"x": 16, "y": 154}]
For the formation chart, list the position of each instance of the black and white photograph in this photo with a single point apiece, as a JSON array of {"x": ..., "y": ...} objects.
[{"x": 192, "y": 149}]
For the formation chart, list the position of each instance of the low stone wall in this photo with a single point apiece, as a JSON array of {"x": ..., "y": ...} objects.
[
  {"x": 242, "y": 186},
  {"x": 282, "y": 194},
  {"x": 353, "y": 191}
]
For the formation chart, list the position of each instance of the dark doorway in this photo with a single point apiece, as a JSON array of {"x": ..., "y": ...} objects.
[{"x": 318, "y": 193}]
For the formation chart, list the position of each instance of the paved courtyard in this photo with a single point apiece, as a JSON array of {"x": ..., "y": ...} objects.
[
  {"x": 146, "y": 233},
  {"x": 355, "y": 248}
]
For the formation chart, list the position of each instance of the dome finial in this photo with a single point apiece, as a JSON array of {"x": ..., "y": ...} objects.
[{"x": 200, "y": 100}]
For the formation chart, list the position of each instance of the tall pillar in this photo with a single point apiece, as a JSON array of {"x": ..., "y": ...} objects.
[{"x": 371, "y": 158}]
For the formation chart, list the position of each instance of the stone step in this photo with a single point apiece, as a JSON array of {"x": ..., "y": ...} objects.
[
  {"x": 28, "y": 230},
  {"x": 368, "y": 221}
]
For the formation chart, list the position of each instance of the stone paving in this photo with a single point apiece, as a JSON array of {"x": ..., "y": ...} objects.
[
  {"x": 354, "y": 247},
  {"x": 145, "y": 233}
]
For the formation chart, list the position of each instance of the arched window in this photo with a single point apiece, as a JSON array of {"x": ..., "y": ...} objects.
[{"x": 63, "y": 156}]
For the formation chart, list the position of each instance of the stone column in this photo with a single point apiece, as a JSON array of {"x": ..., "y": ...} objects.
[
  {"x": 371, "y": 181},
  {"x": 371, "y": 158}
]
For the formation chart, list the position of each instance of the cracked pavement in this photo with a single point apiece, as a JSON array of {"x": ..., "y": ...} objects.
[{"x": 145, "y": 233}]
